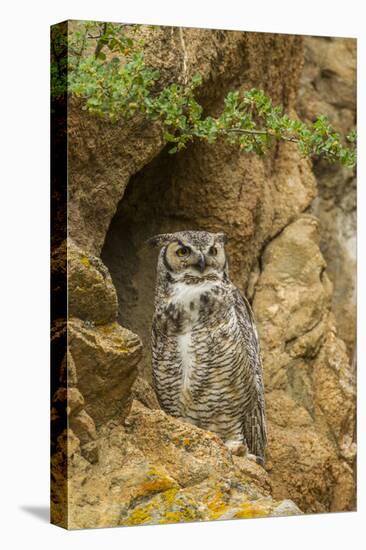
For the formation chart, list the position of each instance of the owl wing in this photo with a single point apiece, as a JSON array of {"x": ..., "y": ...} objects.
[
  {"x": 254, "y": 423},
  {"x": 165, "y": 374}
]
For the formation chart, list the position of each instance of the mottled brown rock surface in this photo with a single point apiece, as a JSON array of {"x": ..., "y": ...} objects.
[
  {"x": 106, "y": 359},
  {"x": 92, "y": 296},
  {"x": 145, "y": 467},
  {"x": 309, "y": 381},
  {"x": 328, "y": 85},
  {"x": 156, "y": 469}
]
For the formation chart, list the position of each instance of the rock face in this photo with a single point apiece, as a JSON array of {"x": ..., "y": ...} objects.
[
  {"x": 328, "y": 85},
  {"x": 131, "y": 466},
  {"x": 156, "y": 469},
  {"x": 308, "y": 379}
]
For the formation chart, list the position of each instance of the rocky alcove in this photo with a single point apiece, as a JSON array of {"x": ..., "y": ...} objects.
[{"x": 197, "y": 189}]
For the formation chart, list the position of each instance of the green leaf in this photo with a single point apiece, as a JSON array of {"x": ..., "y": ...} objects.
[{"x": 122, "y": 86}]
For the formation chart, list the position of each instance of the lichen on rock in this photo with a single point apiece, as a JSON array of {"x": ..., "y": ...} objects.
[
  {"x": 106, "y": 359},
  {"x": 156, "y": 469},
  {"x": 91, "y": 293}
]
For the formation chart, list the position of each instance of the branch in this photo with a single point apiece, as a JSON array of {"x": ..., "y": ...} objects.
[
  {"x": 249, "y": 118},
  {"x": 259, "y": 132},
  {"x": 100, "y": 45}
]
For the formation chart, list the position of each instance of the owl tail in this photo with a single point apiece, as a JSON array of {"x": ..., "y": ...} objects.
[{"x": 255, "y": 433}]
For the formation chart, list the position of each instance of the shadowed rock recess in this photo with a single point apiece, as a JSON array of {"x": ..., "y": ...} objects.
[{"x": 130, "y": 463}]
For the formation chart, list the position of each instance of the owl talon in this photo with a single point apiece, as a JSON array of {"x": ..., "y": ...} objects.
[
  {"x": 250, "y": 456},
  {"x": 237, "y": 448}
]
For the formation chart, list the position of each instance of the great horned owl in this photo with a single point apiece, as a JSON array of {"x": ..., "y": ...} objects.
[{"x": 206, "y": 362}]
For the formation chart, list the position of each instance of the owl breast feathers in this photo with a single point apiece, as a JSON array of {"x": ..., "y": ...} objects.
[{"x": 205, "y": 349}]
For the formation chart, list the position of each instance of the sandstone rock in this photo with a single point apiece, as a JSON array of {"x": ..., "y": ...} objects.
[
  {"x": 73, "y": 430},
  {"x": 286, "y": 508},
  {"x": 68, "y": 443},
  {"x": 106, "y": 359},
  {"x": 183, "y": 447},
  {"x": 143, "y": 392},
  {"x": 83, "y": 426},
  {"x": 90, "y": 451},
  {"x": 328, "y": 86},
  {"x": 66, "y": 462},
  {"x": 68, "y": 376},
  {"x": 334, "y": 393},
  {"x": 91, "y": 293},
  {"x": 158, "y": 469},
  {"x": 59, "y": 275},
  {"x": 291, "y": 298},
  {"x": 308, "y": 379},
  {"x": 328, "y": 82},
  {"x": 70, "y": 399}
]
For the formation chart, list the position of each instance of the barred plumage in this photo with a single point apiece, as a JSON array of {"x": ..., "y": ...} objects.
[{"x": 205, "y": 348}]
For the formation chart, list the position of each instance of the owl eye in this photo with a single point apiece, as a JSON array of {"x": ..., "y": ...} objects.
[
  {"x": 183, "y": 251},
  {"x": 213, "y": 251}
]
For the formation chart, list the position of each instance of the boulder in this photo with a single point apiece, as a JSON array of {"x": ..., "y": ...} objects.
[
  {"x": 91, "y": 294},
  {"x": 106, "y": 359},
  {"x": 156, "y": 469}
]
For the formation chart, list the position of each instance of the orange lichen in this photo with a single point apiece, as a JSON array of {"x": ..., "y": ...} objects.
[
  {"x": 139, "y": 516},
  {"x": 249, "y": 510},
  {"x": 156, "y": 482},
  {"x": 216, "y": 505}
]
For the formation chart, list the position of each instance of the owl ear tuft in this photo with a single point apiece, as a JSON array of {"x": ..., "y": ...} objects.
[
  {"x": 221, "y": 238},
  {"x": 161, "y": 240}
]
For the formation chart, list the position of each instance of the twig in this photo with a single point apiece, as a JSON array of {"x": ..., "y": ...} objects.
[
  {"x": 259, "y": 132},
  {"x": 99, "y": 45}
]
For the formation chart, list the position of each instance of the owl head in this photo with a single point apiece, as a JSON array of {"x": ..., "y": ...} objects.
[{"x": 196, "y": 253}]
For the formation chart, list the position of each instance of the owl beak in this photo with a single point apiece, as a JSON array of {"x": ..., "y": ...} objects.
[{"x": 201, "y": 263}]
